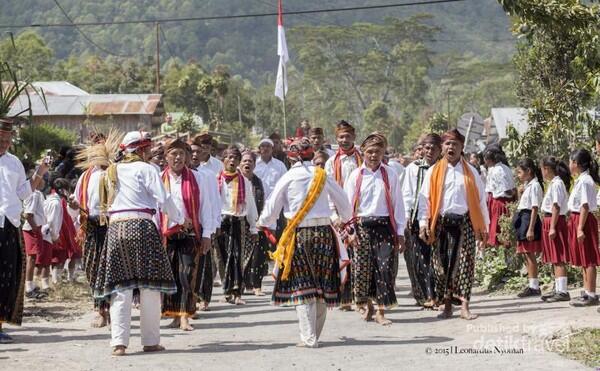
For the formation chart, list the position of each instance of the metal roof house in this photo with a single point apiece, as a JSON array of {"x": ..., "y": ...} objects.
[{"x": 72, "y": 108}]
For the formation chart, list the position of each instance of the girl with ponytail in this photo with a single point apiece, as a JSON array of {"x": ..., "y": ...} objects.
[
  {"x": 554, "y": 208},
  {"x": 527, "y": 222},
  {"x": 583, "y": 227}
]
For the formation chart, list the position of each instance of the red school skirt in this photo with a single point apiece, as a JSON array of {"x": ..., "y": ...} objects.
[
  {"x": 497, "y": 208},
  {"x": 529, "y": 246},
  {"x": 555, "y": 251},
  {"x": 584, "y": 254},
  {"x": 44, "y": 257}
]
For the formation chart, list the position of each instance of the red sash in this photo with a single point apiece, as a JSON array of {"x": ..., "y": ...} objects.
[
  {"x": 337, "y": 163},
  {"x": 190, "y": 192},
  {"x": 238, "y": 195}
]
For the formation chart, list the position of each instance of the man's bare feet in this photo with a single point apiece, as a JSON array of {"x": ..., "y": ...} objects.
[
  {"x": 185, "y": 324},
  {"x": 154, "y": 348},
  {"x": 175, "y": 323},
  {"x": 446, "y": 310},
  {"x": 100, "y": 320},
  {"x": 380, "y": 319},
  {"x": 203, "y": 307},
  {"x": 119, "y": 350},
  {"x": 465, "y": 313},
  {"x": 238, "y": 301},
  {"x": 368, "y": 312},
  {"x": 258, "y": 292}
]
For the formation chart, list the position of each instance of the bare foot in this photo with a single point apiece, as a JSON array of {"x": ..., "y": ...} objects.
[
  {"x": 119, "y": 350},
  {"x": 175, "y": 323},
  {"x": 258, "y": 292},
  {"x": 380, "y": 319},
  {"x": 238, "y": 301},
  {"x": 203, "y": 307},
  {"x": 154, "y": 348},
  {"x": 99, "y": 321},
  {"x": 185, "y": 325},
  {"x": 368, "y": 313},
  {"x": 466, "y": 314},
  {"x": 346, "y": 308}
]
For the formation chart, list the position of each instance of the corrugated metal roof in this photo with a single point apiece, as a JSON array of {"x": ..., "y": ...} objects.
[
  {"x": 92, "y": 104},
  {"x": 514, "y": 116},
  {"x": 59, "y": 88}
]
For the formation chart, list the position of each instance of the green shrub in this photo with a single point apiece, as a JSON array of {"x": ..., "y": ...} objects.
[{"x": 33, "y": 140}]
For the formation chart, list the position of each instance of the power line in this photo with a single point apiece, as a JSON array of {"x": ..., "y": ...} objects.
[
  {"x": 235, "y": 16},
  {"x": 88, "y": 39}
]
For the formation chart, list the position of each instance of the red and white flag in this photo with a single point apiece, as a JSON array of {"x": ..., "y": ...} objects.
[{"x": 281, "y": 86}]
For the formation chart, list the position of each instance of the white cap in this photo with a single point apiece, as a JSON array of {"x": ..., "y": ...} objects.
[{"x": 266, "y": 141}]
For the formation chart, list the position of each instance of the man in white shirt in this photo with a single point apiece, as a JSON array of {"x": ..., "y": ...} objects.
[
  {"x": 317, "y": 138},
  {"x": 418, "y": 252},
  {"x": 201, "y": 156},
  {"x": 129, "y": 194},
  {"x": 238, "y": 225},
  {"x": 14, "y": 188},
  {"x": 268, "y": 169},
  {"x": 307, "y": 187},
  {"x": 187, "y": 248},
  {"x": 452, "y": 216},
  {"x": 374, "y": 191}
]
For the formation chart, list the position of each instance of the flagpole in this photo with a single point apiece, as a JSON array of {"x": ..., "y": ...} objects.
[{"x": 283, "y": 102}]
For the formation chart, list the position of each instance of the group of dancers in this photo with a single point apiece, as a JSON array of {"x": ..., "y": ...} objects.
[{"x": 155, "y": 224}]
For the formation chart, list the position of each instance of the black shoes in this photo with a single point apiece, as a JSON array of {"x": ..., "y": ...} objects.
[
  {"x": 558, "y": 296},
  {"x": 585, "y": 301},
  {"x": 528, "y": 292}
]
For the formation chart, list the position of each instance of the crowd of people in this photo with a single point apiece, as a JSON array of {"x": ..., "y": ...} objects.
[{"x": 158, "y": 225}]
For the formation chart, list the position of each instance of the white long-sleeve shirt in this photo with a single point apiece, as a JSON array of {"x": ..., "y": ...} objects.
[
  {"x": 556, "y": 195},
  {"x": 14, "y": 188},
  {"x": 583, "y": 192},
  {"x": 213, "y": 165},
  {"x": 34, "y": 204},
  {"x": 54, "y": 217},
  {"x": 349, "y": 164},
  {"x": 409, "y": 188},
  {"x": 212, "y": 195},
  {"x": 249, "y": 208},
  {"x": 204, "y": 211},
  {"x": 93, "y": 194},
  {"x": 455, "y": 195},
  {"x": 269, "y": 173},
  {"x": 291, "y": 191},
  {"x": 372, "y": 199},
  {"x": 139, "y": 186}
]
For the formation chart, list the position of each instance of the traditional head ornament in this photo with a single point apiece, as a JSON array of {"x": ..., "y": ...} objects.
[
  {"x": 202, "y": 138},
  {"x": 374, "y": 139},
  {"x": 135, "y": 140},
  {"x": 177, "y": 144},
  {"x": 300, "y": 148},
  {"x": 6, "y": 125},
  {"x": 431, "y": 138},
  {"x": 315, "y": 131},
  {"x": 100, "y": 154},
  {"x": 344, "y": 126}
]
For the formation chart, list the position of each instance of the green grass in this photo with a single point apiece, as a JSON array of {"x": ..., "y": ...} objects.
[{"x": 582, "y": 346}]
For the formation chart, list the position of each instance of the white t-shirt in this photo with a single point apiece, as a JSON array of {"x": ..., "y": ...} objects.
[{"x": 34, "y": 204}]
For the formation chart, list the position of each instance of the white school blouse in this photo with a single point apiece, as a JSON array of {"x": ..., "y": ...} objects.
[
  {"x": 499, "y": 181},
  {"x": 584, "y": 192},
  {"x": 532, "y": 195},
  {"x": 556, "y": 194}
]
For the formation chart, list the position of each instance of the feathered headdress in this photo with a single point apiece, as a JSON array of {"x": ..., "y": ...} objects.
[{"x": 101, "y": 153}]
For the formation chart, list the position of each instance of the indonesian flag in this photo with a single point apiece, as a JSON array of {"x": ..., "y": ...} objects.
[{"x": 281, "y": 86}]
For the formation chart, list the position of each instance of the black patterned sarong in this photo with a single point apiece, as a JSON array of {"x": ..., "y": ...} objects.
[
  {"x": 188, "y": 266},
  {"x": 134, "y": 258},
  {"x": 418, "y": 263},
  {"x": 315, "y": 273},
  {"x": 234, "y": 232},
  {"x": 12, "y": 274},
  {"x": 454, "y": 257},
  {"x": 92, "y": 253},
  {"x": 255, "y": 265},
  {"x": 373, "y": 263}
]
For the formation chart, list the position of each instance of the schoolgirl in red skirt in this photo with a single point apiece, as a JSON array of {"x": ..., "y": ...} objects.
[
  {"x": 583, "y": 227},
  {"x": 527, "y": 222},
  {"x": 555, "y": 244},
  {"x": 501, "y": 190}
]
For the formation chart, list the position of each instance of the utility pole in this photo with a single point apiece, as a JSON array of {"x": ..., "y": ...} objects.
[
  {"x": 157, "y": 58},
  {"x": 239, "y": 107}
]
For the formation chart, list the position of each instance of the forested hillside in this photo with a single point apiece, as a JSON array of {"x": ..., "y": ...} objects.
[
  {"x": 248, "y": 45},
  {"x": 397, "y": 70}
]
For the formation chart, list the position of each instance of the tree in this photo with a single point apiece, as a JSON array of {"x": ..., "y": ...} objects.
[
  {"x": 28, "y": 55},
  {"x": 559, "y": 73}
]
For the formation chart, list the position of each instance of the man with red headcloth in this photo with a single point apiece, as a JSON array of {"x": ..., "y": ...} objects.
[{"x": 452, "y": 216}]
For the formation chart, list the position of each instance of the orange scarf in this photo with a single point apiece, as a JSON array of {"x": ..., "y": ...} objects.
[
  {"x": 337, "y": 163},
  {"x": 436, "y": 197}
]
